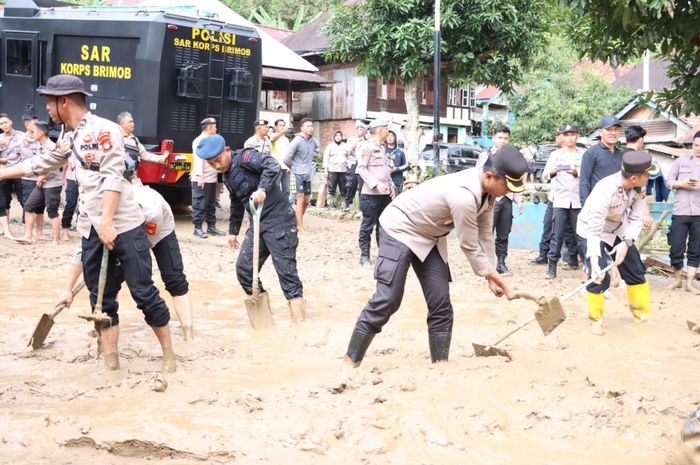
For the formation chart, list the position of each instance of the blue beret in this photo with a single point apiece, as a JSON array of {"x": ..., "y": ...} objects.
[{"x": 210, "y": 147}]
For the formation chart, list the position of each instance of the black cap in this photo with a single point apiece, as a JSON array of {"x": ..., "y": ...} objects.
[
  {"x": 571, "y": 127},
  {"x": 63, "y": 84},
  {"x": 261, "y": 122},
  {"x": 510, "y": 163},
  {"x": 608, "y": 121},
  {"x": 639, "y": 162}
]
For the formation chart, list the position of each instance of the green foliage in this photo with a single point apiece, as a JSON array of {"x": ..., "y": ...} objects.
[
  {"x": 552, "y": 95},
  {"x": 618, "y": 30},
  {"x": 484, "y": 41},
  {"x": 281, "y": 13}
]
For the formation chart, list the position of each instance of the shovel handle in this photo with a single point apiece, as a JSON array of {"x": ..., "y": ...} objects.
[
  {"x": 102, "y": 280},
  {"x": 256, "y": 212},
  {"x": 60, "y": 307},
  {"x": 518, "y": 328}
]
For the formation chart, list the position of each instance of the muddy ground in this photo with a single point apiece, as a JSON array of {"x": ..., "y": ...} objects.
[{"x": 281, "y": 396}]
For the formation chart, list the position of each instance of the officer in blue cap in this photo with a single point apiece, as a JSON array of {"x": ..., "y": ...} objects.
[{"x": 248, "y": 174}]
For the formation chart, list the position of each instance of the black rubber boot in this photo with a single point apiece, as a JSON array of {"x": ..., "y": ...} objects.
[
  {"x": 501, "y": 267},
  {"x": 439, "y": 346},
  {"x": 552, "y": 270},
  {"x": 364, "y": 257},
  {"x": 539, "y": 260},
  {"x": 359, "y": 343}
]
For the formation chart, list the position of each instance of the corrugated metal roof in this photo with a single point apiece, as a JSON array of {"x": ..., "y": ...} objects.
[
  {"x": 665, "y": 149},
  {"x": 309, "y": 39},
  {"x": 657, "y": 76}
]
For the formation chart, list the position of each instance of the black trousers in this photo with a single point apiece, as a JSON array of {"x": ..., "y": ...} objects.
[
  {"x": 71, "y": 203},
  {"x": 390, "y": 273},
  {"x": 502, "y": 224},
  {"x": 631, "y": 269},
  {"x": 353, "y": 184},
  {"x": 8, "y": 187},
  {"x": 204, "y": 204},
  {"x": 130, "y": 261},
  {"x": 172, "y": 271},
  {"x": 336, "y": 180},
  {"x": 564, "y": 220},
  {"x": 547, "y": 230},
  {"x": 284, "y": 182},
  {"x": 685, "y": 230},
  {"x": 372, "y": 207},
  {"x": 280, "y": 242}
]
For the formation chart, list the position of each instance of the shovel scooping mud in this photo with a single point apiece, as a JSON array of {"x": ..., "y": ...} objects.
[
  {"x": 46, "y": 322},
  {"x": 258, "y": 304}
]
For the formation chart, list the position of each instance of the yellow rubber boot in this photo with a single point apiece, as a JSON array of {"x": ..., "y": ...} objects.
[
  {"x": 596, "y": 306},
  {"x": 639, "y": 300}
]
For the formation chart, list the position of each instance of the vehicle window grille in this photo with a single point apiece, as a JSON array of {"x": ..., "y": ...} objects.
[
  {"x": 19, "y": 57},
  {"x": 184, "y": 56}
]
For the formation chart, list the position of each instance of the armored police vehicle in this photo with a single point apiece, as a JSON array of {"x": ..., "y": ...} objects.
[{"x": 169, "y": 71}]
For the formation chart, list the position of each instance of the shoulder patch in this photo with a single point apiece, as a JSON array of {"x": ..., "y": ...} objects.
[{"x": 105, "y": 140}]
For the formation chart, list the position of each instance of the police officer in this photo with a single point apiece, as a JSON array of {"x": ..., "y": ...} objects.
[
  {"x": 684, "y": 178},
  {"x": 414, "y": 234},
  {"x": 109, "y": 216},
  {"x": 378, "y": 187},
  {"x": 13, "y": 149},
  {"x": 135, "y": 150},
  {"x": 259, "y": 141},
  {"x": 613, "y": 216},
  {"x": 248, "y": 174},
  {"x": 351, "y": 178},
  {"x": 204, "y": 179}
]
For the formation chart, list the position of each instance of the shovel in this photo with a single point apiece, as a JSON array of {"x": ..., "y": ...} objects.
[
  {"x": 258, "y": 305},
  {"x": 100, "y": 319},
  {"x": 46, "y": 322},
  {"x": 549, "y": 316},
  {"x": 693, "y": 326}
]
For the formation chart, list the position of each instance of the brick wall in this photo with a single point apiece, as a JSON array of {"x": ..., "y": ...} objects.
[{"x": 327, "y": 130}]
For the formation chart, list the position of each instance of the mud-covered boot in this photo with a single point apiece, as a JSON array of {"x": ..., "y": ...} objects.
[
  {"x": 439, "y": 346},
  {"x": 297, "y": 309},
  {"x": 501, "y": 267},
  {"x": 552, "y": 269},
  {"x": 112, "y": 361},
  {"x": 690, "y": 283},
  {"x": 539, "y": 260},
  {"x": 169, "y": 360},
  {"x": 677, "y": 280},
  {"x": 357, "y": 347}
]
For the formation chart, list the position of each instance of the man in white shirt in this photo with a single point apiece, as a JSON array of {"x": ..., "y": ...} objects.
[{"x": 204, "y": 179}]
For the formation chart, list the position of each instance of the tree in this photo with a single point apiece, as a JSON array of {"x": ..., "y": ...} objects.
[
  {"x": 617, "y": 30},
  {"x": 485, "y": 41},
  {"x": 551, "y": 95},
  {"x": 283, "y": 14}
]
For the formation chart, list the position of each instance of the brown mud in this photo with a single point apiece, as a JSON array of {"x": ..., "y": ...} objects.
[{"x": 282, "y": 395}]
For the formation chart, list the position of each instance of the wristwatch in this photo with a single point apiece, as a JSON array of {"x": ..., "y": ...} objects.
[{"x": 629, "y": 242}]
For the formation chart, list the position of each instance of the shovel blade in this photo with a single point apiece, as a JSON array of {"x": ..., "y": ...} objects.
[
  {"x": 692, "y": 325},
  {"x": 550, "y": 315},
  {"x": 481, "y": 350},
  {"x": 41, "y": 331},
  {"x": 259, "y": 312}
]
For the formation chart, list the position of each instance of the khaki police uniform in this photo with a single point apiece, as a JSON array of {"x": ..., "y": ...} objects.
[
  {"x": 48, "y": 196},
  {"x": 353, "y": 181},
  {"x": 261, "y": 144},
  {"x": 373, "y": 168},
  {"x": 335, "y": 162},
  {"x": 96, "y": 149},
  {"x": 13, "y": 149}
]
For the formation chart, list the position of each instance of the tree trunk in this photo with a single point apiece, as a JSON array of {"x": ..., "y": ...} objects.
[{"x": 412, "y": 129}]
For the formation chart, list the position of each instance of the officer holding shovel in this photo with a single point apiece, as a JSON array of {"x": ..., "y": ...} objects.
[
  {"x": 250, "y": 175},
  {"x": 613, "y": 216},
  {"x": 414, "y": 230},
  {"x": 109, "y": 216}
]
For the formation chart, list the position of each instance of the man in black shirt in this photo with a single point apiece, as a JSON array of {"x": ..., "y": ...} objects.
[
  {"x": 250, "y": 175},
  {"x": 602, "y": 159}
]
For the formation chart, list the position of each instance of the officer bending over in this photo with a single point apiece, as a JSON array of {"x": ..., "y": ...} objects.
[
  {"x": 248, "y": 174},
  {"x": 414, "y": 234}
]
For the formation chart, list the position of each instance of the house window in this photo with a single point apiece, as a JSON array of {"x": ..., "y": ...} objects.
[
  {"x": 386, "y": 89},
  {"x": 452, "y": 96},
  {"x": 425, "y": 95},
  {"x": 472, "y": 97},
  {"x": 19, "y": 57}
]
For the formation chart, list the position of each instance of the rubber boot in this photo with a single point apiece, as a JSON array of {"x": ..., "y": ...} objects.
[
  {"x": 364, "y": 257},
  {"x": 596, "y": 306},
  {"x": 539, "y": 260},
  {"x": 501, "y": 267},
  {"x": 639, "y": 300},
  {"x": 169, "y": 361},
  {"x": 439, "y": 346},
  {"x": 677, "y": 280},
  {"x": 359, "y": 343},
  {"x": 183, "y": 310},
  {"x": 297, "y": 309},
  {"x": 112, "y": 361},
  {"x": 689, "y": 285},
  {"x": 552, "y": 269}
]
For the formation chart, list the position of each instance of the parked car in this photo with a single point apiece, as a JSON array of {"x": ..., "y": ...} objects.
[{"x": 455, "y": 157}]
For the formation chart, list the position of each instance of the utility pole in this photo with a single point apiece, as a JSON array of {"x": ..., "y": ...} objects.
[{"x": 436, "y": 93}]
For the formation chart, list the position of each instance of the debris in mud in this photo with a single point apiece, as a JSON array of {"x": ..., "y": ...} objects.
[
  {"x": 148, "y": 450},
  {"x": 158, "y": 382}
]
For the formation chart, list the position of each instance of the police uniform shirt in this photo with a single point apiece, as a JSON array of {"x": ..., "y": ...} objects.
[
  {"x": 131, "y": 141},
  {"x": 200, "y": 167},
  {"x": 373, "y": 167},
  {"x": 261, "y": 144},
  {"x": 565, "y": 186},
  {"x": 248, "y": 172},
  {"x": 335, "y": 158},
  {"x": 353, "y": 142},
  {"x": 14, "y": 148},
  {"x": 422, "y": 217},
  {"x": 55, "y": 177},
  {"x": 686, "y": 202},
  {"x": 159, "y": 217},
  {"x": 611, "y": 211},
  {"x": 98, "y": 157}
]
